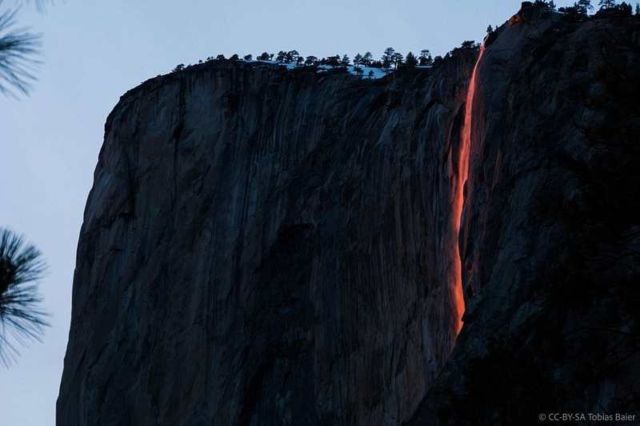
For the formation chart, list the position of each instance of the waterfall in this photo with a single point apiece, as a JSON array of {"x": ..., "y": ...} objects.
[{"x": 459, "y": 198}]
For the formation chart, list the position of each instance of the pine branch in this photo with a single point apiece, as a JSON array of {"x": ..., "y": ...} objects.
[
  {"x": 21, "y": 318},
  {"x": 18, "y": 51}
]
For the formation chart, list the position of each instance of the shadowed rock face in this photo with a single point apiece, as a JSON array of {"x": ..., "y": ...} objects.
[
  {"x": 269, "y": 247},
  {"x": 266, "y": 247},
  {"x": 551, "y": 246}
]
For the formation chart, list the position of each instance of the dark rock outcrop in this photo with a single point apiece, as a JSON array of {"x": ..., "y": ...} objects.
[
  {"x": 551, "y": 247},
  {"x": 264, "y": 246}
]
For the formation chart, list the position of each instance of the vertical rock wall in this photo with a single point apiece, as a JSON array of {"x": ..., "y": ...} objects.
[
  {"x": 551, "y": 241},
  {"x": 263, "y": 246}
]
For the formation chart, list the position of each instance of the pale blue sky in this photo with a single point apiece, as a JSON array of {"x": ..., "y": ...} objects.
[{"x": 94, "y": 51}]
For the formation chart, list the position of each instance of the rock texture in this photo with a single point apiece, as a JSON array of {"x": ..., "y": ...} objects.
[
  {"x": 263, "y": 246},
  {"x": 551, "y": 247},
  {"x": 272, "y": 247}
]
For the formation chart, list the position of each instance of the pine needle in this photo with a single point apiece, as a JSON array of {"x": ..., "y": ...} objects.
[
  {"x": 21, "y": 318},
  {"x": 18, "y": 51}
]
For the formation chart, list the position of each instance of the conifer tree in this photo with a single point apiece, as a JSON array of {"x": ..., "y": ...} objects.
[
  {"x": 357, "y": 60},
  {"x": 397, "y": 59},
  {"x": 21, "y": 318},
  {"x": 607, "y": 4},
  {"x": 387, "y": 57},
  {"x": 425, "y": 57},
  {"x": 583, "y": 6},
  {"x": 411, "y": 61},
  {"x": 367, "y": 58},
  {"x": 18, "y": 50}
]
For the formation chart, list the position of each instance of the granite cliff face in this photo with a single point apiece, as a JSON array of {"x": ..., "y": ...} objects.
[
  {"x": 264, "y": 246},
  {"x": 551, "y": 233}
]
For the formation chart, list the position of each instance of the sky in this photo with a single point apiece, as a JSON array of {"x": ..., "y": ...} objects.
[{"x": 95, "y": 50}]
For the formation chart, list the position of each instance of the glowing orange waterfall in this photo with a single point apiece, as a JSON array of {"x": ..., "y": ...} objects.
[{"x": 458, "y": 198}]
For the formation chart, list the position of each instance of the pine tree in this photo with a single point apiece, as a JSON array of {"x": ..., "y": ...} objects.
[
  {"x": 334, "y": 60},
  {"x": 387, "y": 57},
  {"x": 264, "y": 56},
  {"x": 357, "y": 60},
  {"x": 17, "y": 50},
  {"x": 625, "y": 8},
  {"x": 583, "y": 6},
  {"x": 345, "y": 60},
  {"x": 291, "y": 56},
  {"x": 21, "y": 265},
  {"x": 607, "y": 4},
  {"x": 411, "y": 60},
  {"x": 425, "y": 58},
  {"x": 550, "y": 4},
  {"x": 397, "y": 59},
  {"x": 637, "y": 9},
  {"x": 367, "y": 58}
]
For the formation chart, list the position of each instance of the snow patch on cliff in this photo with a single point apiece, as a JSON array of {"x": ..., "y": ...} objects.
[{"x": 373, "y": 73}]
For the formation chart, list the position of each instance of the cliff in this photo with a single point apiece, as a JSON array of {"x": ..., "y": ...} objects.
[
  {"x": 264, "y": 246},
  {"x": 551, "y": 234}
]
